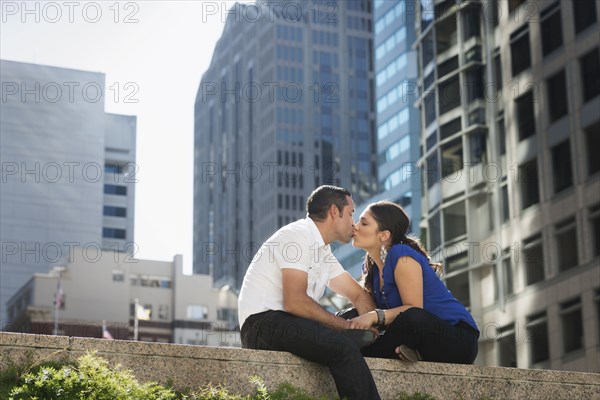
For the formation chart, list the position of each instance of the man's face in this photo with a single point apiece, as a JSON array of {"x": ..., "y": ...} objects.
[{"x": 345, "y": 223}]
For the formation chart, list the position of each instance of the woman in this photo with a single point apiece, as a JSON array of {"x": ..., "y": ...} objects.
[{"x": 420, "y": 318}]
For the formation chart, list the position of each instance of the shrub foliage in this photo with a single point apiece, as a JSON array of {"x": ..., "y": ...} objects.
[{"x": 92, "y": 378}]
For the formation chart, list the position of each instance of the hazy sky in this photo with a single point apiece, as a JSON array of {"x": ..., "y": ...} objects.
[{"x": 162, "y": 47}]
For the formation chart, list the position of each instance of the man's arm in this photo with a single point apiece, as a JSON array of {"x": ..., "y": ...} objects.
[
  {"x": 346, "y": 286},
  {"x": 298, "y": 303}
]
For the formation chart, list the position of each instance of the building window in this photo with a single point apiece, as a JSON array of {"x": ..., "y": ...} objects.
[
  {"x": 592, "y": 135},
  {"x": 551, "y": 29},
  {"x": 111, "y": 211},
  {"x": 478, "y": 146},
  {"x": 458, "y": 285},
  {"x": 519, "y": 50},
  {"x": 455, "y": 221},
  {"x": 114, "y": 233},
  {"x": 566, "y": 244},
  {"x": 432, "y": 169},
  {"x": 435, "y": 234},
  {"x": 163, "y": 312},
  {"x": 452, "y": 158},
  {"x": 446, "y": 35},
  {"x": 429, "y": 108},
  {"x": 429, "y": 79},
  {"x": 447, "y": 67},
  {"x": 537, "y": 337},
  {"x": 533, "y": 260},
  {"x": 471, "y": 17},
  {"x": 572, "y": 325},
  {"x": 505, "y": 203},
  {"x": 113, "y": 168},
  {"x": 197, "y": 312},
  {"x": 152, "y": 281},
  {"x": 449, "y": 94},
  {"x": 514, "y": 4},
  {"x": 590, "y": 74},
  {"x": 528, "y": 174},
  {"x": 501, "y": 133},
  {"x": 497, "y": 70},
  {"x": 507, "y": 349},
  {"x": 115, "y": 189},
  {"x": 525, "y": 115},
  {"x": 450, "y": 128},
  {"x": 118, "y": 275},
  {"x": 584, "y": 13},
  {"x": 561, "y": 162},
  {"x": 427, "y": 48},
  {"x": 557, "y": 96},
  {"x": 508, "y": 278},
  {"x": 595, "y": 228},
  {"x": 474, "y": 85},
  {"x": 227, "y": 314}
]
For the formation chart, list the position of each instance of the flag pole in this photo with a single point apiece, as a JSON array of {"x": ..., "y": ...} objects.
[
  {"x": 58, "y": 297},
  {"x": 135, "y": 319},
  {"x": 56, "y": 307}
]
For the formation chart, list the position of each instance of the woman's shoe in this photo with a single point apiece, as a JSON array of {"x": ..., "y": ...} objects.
[{"x": 405, "y": 353}]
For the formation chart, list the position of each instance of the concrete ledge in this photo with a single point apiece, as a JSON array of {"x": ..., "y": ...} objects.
[{"x": 193, "y": 366}]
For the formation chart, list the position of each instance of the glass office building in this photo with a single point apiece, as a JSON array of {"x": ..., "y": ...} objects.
[
  {"x": 398, "y": 124},
  {"x": 286, "y": 105}
]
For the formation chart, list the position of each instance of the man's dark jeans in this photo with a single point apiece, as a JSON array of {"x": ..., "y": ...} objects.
[{"x": 281, "y": 331}]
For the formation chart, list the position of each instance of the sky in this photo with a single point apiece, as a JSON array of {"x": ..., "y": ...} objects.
[{"x": 154, "y": 53}]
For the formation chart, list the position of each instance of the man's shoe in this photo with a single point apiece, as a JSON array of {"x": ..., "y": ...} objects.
[
  {"x": 362, "y": 337},
  {"x": 405, "y": 353}
]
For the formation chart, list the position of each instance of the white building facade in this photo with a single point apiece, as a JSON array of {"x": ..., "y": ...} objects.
[{"x": 103, "y": 286}]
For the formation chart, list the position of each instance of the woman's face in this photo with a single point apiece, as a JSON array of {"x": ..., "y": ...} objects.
[{"x": 366, "y": 232}]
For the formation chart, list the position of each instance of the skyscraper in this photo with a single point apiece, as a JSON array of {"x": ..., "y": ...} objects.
[
  {"x": 398, "y": 124},
  {"x": 509, "y": 100},
  {"x": 286, "y": 105},
  {"x": 67, "y": 172},
  {"x": 398, "y": 121}
]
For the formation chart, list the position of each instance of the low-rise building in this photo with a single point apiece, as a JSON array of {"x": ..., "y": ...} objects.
[{"x": 97, "y": 286}]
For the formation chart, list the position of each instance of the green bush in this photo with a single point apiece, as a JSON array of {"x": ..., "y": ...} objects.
[
  {"x": 91, "y": 378},
  {"x": 415, "y": 396}
]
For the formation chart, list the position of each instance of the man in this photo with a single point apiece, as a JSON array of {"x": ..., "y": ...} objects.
[{"x": 278, "y": 303}]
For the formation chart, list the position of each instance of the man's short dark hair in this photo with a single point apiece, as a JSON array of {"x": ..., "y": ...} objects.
[{"x": 321, "y": 199}]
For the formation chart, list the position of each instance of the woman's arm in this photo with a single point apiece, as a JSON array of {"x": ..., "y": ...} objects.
[{"x": 409, "y": 280}]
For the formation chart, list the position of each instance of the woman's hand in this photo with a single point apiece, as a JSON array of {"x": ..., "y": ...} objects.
[{"x": 365, "y": 321}]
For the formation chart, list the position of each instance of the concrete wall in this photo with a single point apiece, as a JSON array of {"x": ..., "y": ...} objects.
[{"x": 194, "y": 366}]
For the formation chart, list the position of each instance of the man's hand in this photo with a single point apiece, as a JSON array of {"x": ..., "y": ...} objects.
[{"x": 365, "y": 321}]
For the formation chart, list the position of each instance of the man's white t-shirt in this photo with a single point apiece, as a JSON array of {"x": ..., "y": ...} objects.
[{"x": 298, "y": 245}]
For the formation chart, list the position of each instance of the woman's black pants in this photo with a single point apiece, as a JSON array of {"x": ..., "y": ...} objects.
[{"x": 435, "y": 339}]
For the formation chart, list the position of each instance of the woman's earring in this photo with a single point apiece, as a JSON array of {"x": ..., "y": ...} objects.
[{"x": 383, "y": 253}]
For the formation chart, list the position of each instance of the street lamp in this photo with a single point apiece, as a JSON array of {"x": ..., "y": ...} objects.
[{"x": 58, "y": 298}]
